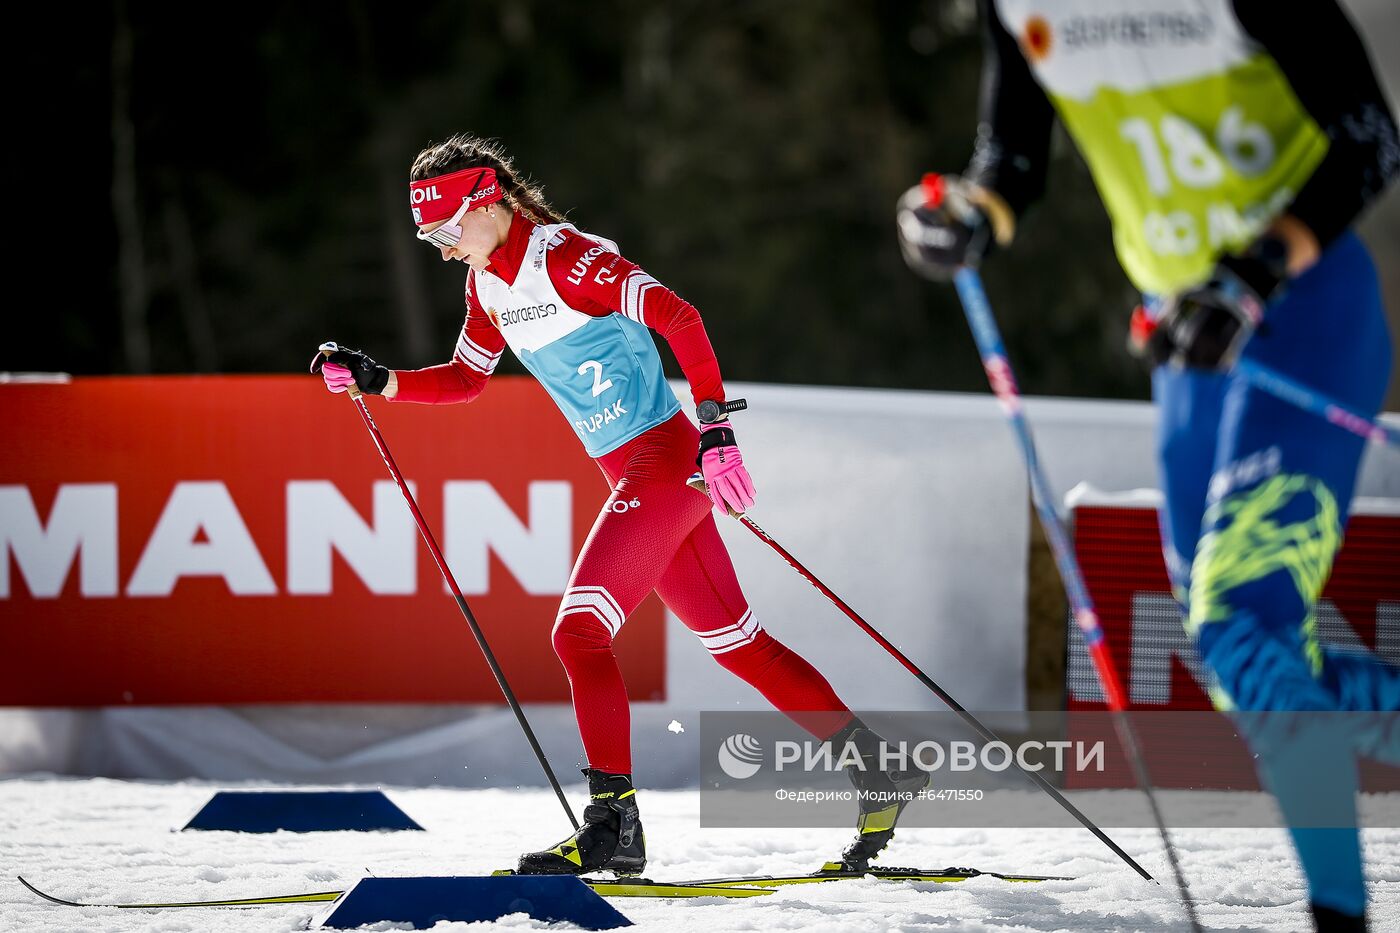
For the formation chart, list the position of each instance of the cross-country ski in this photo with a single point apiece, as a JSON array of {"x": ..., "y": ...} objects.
[{"x": 743, "y": 886}]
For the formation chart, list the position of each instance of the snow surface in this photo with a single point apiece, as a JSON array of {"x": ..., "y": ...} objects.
[{"x": 98, "y": 839}]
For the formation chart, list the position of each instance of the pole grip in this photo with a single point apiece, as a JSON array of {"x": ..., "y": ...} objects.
[
  {"x": 329, "y": 347},
  {"x": 697, "y": 482}
]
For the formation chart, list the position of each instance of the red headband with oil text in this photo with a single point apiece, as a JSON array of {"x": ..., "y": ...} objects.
[{"x": 438, "y": 198}]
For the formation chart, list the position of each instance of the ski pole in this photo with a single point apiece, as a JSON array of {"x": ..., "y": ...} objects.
[
  {"x": 1003, "y": 382},
  {"x": 357, "y": 397},
  {"x": 927, "y": 681},
  {"x": 1311, "y": 400}
]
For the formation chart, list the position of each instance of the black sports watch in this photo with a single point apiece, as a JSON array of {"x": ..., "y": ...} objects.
[{"x": 711, "y": 411}]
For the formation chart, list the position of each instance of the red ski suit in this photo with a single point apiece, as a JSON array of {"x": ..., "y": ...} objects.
[{"x": 654, "y": 532}]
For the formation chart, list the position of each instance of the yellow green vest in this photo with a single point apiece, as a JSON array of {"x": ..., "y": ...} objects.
[{"x": 1193, "y": 135}]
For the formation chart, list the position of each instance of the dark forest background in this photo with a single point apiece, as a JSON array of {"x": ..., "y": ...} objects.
[{"x": 219, "y": 189}]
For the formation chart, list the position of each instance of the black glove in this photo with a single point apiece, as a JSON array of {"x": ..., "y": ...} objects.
[
  {"x": 1205, "y": 327},
  {"x": 369, "y": 376},
  {"x": 941, "y": 227}
]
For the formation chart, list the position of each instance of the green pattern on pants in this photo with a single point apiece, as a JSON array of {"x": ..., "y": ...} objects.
[{"x": 1250, "y": 540}]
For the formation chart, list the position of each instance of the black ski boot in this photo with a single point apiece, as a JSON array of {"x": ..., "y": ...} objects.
[
  {"x": 881, "y": 795},
  {"x": 610, "y": 837},
  {"x": 1327, "y": 920}
]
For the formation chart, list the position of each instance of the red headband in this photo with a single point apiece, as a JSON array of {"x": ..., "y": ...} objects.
[{"x": 434, "y": 199}]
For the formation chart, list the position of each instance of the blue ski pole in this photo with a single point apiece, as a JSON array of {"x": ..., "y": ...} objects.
[
  {"x": 1308, "y": 399},
  {"x": 1003, "y": 381}
]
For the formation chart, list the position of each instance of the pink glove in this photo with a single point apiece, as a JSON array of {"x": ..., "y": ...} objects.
[
  {"x": 722, "y": 465},
  {"x": 337, "y": 377}
]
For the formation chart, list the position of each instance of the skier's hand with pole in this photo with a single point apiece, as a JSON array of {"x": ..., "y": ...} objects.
[
  {"x": 342, "y": 368},
  {"x": 945, "y": 222},
  {"x": 727, "y": 480},
  {"x": 1207, "y": 325}
]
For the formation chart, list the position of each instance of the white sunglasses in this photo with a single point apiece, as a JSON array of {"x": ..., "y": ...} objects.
[{"x": 448, "y": 235}]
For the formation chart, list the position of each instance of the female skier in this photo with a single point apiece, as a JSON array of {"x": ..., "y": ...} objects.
[
  {"x": 576, "y": 313},
  {"x": 1233, "y": 142}
]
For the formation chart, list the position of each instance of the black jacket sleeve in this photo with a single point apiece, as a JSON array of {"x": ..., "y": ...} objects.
[
  {"x": 1012, "y": 151},
  {"x": 1326, "y": 63}
]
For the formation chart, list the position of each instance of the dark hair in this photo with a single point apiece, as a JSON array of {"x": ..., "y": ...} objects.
[{"x": 466, "y": 151}]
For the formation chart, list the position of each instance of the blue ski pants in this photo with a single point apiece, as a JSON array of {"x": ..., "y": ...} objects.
[{"x": 1256, "y": 499}]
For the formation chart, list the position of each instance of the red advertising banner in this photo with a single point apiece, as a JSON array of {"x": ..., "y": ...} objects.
[
  {"x": 224, "y": 540},
  {"x": 1121, "y": 556}
]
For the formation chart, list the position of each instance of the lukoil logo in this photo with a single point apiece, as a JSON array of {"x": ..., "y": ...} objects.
[
  {"x": 483, "y": 193},
  {"x": 740, "y": 756}
]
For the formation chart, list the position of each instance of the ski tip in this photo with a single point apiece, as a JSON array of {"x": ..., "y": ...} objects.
[
  {"x": 1006, "y": 877},
  {"x": 47, "y": 897}
]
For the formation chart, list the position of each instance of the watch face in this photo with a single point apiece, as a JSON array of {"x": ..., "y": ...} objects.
[{"x": 709, "y": 411}]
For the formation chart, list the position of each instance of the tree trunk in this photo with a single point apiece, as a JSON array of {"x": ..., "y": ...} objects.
[
  {"x": 189, "y": 294},
  {"x": 410, "y": 294},
  {"x": 131, "y": 258}
]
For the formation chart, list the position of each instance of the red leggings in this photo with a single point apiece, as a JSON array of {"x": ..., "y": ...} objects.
[{"x": 656, "y": 533}]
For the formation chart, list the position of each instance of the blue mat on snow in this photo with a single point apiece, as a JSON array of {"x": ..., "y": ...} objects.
[
  {"x": 424, "y": 902},
  {"x": 300, "y": 811}
]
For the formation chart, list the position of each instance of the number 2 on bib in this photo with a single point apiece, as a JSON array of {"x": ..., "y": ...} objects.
[{"x": 600, "y": 385}]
